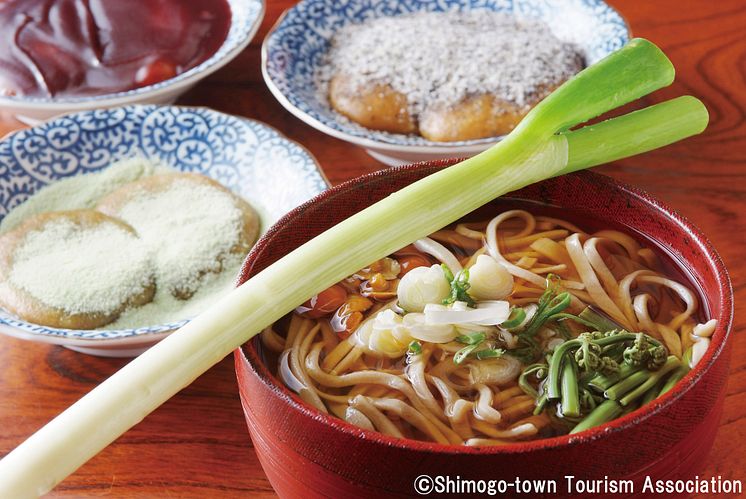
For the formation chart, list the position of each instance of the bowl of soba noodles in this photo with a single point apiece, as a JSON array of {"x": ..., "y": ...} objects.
[{"x": 568, "y": 338}]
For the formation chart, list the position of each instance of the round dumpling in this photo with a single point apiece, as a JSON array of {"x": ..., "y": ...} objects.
[
  {"x": 473, "y": 118},
  {"x": 374, "y": 106},
  {"x": 73, "y": 269},
  {"x": 191, "y": 223}
]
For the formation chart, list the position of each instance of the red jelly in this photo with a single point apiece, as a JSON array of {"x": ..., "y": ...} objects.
[{"x": 73, "y": 48}]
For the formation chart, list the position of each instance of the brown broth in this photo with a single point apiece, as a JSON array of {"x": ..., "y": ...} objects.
[
  {"x": 669, "y": 265},
  {"x": 522, "y": 406}
]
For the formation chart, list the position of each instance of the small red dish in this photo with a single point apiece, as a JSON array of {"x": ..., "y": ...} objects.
[{"x": 308, "y": 454}]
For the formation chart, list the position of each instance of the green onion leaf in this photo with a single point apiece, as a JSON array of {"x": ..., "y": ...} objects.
[
  {"x": 462, "y": 354},
  {"x": 489, "y": 353},
  {"x": 459, "y": 287},
  {"x": 415, "y": 348},
  {"x": 471, "y": 338},
  {"x": 447, "y": 272},
  {"x": 516, "y": 317}
]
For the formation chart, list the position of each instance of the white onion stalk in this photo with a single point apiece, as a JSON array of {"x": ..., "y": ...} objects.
[
  {"x": 420, "y": 329},
  {"x": 384, "y": 334},
  {"x": 489, "y": 280},
  {"x": 530, "y": 311},
  {"x": 701, "y": 340},
  {"x": 422, "y": 285},
  {"x": 495, "y": 371},
  {"x": 488, "y": 313},
  {"x": 470, "y": 327},
  {"x": 541, "y": 146},
  {"x": 387, "y": 333}
]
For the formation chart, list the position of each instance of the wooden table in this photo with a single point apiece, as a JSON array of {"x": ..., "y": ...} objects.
[{"x": 196, "y": 444}]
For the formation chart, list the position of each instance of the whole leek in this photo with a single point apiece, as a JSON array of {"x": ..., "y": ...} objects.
[{"x": 540, "y": 147}]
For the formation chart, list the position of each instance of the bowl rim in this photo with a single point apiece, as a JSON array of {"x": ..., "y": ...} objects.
[
  {"x": 180, "y": 81},
  {"x": 455, "y": 148},
  {"x": 249, "y": 354},
  {"x": 62, "y": 336}
]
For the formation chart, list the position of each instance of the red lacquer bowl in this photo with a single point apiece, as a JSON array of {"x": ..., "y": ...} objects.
[{"x": 308, "y": 454}]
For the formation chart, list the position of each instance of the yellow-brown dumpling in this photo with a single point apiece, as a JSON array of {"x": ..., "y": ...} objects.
[
  {"x": 373, "y": 106},
  {"x": 73, "y": 269},
  {"x": 473, "y": 118},
  {"x": 447, "y": 76},
  {"x": 191, "y": 223}
]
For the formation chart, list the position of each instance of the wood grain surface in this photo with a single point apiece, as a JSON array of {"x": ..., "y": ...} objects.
[{"x": 196, "y": 445}]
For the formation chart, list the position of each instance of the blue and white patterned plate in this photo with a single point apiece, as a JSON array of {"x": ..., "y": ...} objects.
[
  {"x": 273, "y": 173},
  {"x": 295, "y": 47}
]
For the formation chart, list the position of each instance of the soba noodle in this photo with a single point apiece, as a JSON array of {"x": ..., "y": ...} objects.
[{"x": 416, "y": 374}]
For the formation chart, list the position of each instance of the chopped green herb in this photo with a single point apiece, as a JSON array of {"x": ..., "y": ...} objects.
[
  {"x": 474, "y": 340},
  {"x": 447, "y": 272},
  {"x": 549, "y": 308},
  {"x": 550, "y": 303},
  {"x": 462, "y": 354},
  {"x": 471, "y": 338},
  {"x": 489, "y": 353},
  {"x": 538, "y": 371},
  {"x": 415, "y": 348},
  {"x": 563, "y": 316},
  {"x": 459, "y": 286},
  {"x": 516, "y": 317}
]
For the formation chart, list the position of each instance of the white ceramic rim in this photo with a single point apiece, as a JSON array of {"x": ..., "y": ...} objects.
[
  {"x": 474, "y": 147},
  {"x": 186, "y": 79},
  {"x": 360, "y": 141},
  {"x": 144, "y": 338}
]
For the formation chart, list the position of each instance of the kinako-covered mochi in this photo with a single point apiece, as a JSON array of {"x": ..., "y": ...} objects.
[
  {"x": 74, "y": 269},
  {"x": 448, "y": 76},
  {"x": 190, "y": 222},
  {"x": 168, "y": 245}
]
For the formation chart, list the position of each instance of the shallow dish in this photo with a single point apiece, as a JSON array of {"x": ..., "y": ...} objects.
[
  {"x": 246, "y": 16},
  {"x": 309, "y": 454},
  {"x": 257, "y": 162},
  {"x": 294, "y": 47}
]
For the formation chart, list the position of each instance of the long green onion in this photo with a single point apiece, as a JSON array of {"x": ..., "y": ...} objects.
[
  {"x": 489, "y": 353},
  {"x": 462, "y": 354},
  {"x": 540, "y": 147}
]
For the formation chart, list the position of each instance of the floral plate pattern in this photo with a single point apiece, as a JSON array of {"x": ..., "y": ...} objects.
[
  {"x": 250, "y": 158},
  {"x": 294, "y": 49}
]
